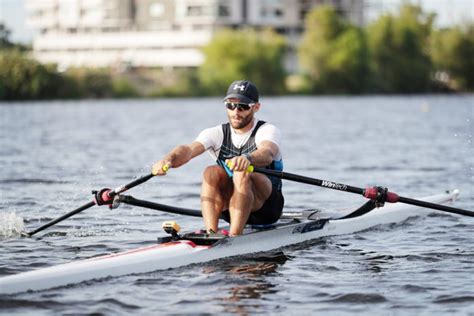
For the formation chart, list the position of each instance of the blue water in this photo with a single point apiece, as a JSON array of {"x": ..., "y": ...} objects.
[{"x": 53, "y": 154}]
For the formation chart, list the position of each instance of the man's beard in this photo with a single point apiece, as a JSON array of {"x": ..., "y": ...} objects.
[{"x": 245, "y": 120}]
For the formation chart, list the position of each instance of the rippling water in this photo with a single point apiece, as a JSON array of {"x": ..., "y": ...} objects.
[{"x": 53, "y": 154}]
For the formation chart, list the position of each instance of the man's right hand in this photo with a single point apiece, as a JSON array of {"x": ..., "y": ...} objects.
[{"x": 160, "y": 167}]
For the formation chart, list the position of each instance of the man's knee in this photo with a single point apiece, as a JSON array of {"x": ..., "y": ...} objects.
[{"x": 214, "y": 175}]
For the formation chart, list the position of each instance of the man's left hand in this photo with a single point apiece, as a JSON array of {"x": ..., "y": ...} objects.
[{"x": 239, "y": 163}]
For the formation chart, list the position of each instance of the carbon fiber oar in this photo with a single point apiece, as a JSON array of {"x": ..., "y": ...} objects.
[
  {"x": 104, "y": 196},
  {"x": 378, "y": 194}
]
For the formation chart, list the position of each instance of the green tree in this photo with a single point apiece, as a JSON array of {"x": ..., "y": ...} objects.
[
  {"x": 333, "y": 53},
  {"x": 5, "y": 37},
  {"x": 453, "y": 53},
  {"x": 6, "y": 43},
  {"x": 177, "y": 83},
  {"x": 398, "y": 45},
  {"x": 91, "y": 82},
  {"x": 22, "y": 78},
  {"x": 244, "y": 54},
  {"x": 123, "y": 88}
]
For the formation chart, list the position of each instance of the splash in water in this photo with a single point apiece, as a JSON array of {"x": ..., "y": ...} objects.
[{"x": 11, "y": 225}]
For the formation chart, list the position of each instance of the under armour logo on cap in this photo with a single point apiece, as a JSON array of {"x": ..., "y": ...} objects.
[
  {"x": 243, "y": 90},
  {"x": 241, "y": 87}
]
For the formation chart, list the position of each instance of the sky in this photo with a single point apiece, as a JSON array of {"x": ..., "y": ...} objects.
[{"x": 448, "y": 12}]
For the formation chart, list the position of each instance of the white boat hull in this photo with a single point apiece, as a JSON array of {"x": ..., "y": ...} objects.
[{"x": 183, "y": 252}]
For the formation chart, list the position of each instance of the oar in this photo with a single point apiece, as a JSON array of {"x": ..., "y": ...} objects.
[
  {"x": 128, "y": 199},
  {"x": 372, "y": 193},
  {"x": 103, "y": 197}
]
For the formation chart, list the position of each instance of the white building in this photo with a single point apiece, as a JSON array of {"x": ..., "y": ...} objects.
[{"x": 158, "y": 33}]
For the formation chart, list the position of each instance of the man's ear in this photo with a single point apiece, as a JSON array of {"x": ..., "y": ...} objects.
[{"x": 256, "y": 107}]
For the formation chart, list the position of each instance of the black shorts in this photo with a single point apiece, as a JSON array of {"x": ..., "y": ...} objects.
[{"x": 269, "y": 213}]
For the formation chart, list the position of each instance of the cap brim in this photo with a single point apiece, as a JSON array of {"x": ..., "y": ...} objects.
[{"x": 241, "y": 97}]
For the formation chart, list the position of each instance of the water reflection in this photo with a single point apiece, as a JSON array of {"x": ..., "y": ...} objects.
[
  {"x": 248, "y": 282},
  {"x": 369, "y": 260}
]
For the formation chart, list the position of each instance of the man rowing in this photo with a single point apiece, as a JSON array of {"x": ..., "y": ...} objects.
[{"x": 228, "y": 190}]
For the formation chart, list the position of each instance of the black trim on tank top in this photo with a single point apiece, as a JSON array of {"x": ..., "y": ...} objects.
[{"x": 229, "y": 151}]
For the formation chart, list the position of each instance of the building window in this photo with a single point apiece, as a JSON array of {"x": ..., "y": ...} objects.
[
  {"x": 271, "y": 13},
  {"x": 224, "y": 11},
  {"x": 198, "y": 10}
]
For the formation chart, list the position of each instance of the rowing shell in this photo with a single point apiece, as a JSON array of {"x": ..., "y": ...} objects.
[{"x": 183, "y": 252}]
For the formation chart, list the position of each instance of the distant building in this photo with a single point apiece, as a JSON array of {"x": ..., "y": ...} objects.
[{"x": 159, "y": 33}]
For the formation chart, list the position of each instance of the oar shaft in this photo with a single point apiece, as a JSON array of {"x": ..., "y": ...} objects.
[
  {"x": 439, "y": 207},
  {"x": 312, "y": 181},
  {"x": 127, "y": 199},
  {"x": 110, "y": 194},
  {"x": 59, "y": 219},
  {"x": 130, "y": 185}
]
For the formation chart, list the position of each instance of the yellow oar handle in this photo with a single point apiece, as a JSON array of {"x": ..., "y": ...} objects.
[
  {"x": 165, "y": 169},
  {"x": 249, "y": 168}
]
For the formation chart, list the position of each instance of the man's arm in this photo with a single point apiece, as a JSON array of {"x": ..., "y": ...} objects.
[
  {"x": 261, "y": 157},
  {"x": 177, "y": 157},
  {"x": 264, "y": 155}
]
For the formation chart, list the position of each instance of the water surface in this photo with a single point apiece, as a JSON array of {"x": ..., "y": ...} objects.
[{"x": 53, "y": 154}]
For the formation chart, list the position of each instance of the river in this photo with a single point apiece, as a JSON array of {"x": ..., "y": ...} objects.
[{"x": 53, "y": 154}]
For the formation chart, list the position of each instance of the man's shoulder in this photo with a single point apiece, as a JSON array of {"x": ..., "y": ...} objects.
[
  {"x": 266, "y": 126},
  {"x": 212, "y": 132},
  {"x": 210, "y": 137}
]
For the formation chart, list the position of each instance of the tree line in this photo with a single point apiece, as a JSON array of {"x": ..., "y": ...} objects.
[{"x": 399, "y": 52}]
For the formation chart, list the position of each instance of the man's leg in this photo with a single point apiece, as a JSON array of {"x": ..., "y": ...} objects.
[
  {"x": 250, "y": 193},
  {"x": 215, "y": 194}
]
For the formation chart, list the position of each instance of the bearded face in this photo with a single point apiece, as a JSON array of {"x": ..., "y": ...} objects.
[{"x": 240, "y": 118}]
